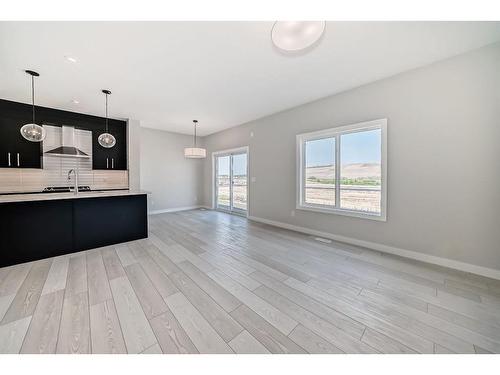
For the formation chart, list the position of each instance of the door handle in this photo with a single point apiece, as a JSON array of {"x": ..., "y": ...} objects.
[
  {"x": 107, "y": 163},
  {"x": 112, "y": 163},
  {"x": 18, "y": 163},
  {"x": 8, "y": 158}
]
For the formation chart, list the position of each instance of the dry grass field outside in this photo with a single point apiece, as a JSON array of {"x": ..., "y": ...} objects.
[
  {"x": 360, "y": 187},
  {"x": 239, "y": 192},
  {"x": 351, "y": 198}
]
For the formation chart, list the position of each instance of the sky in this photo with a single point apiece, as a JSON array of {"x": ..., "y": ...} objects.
[{"x": 362, "y": 147}]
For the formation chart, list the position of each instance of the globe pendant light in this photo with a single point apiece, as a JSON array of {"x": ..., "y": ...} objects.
[
  {"x": 195, "y": 152},
  {"x": 33, "y": 132},
  {"x": 105, "y": 139}
]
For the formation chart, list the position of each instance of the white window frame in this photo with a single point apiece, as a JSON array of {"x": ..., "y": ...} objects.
[{"x": 336, "y": 133}]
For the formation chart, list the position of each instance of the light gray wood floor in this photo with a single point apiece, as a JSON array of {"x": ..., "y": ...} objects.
[{"x": 208, "y": 282}]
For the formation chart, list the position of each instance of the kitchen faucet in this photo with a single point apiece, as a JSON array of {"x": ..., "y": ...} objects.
[{"x": 76, "y": 179}]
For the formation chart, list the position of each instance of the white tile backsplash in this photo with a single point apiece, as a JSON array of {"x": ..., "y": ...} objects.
[
  {"x": 16, "y": 180},
  {"x": 10, "y": 179}
]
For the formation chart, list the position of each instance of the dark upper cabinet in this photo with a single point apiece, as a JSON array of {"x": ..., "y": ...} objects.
[
  {"x": 110, "y": 158},
  {"x": 100, "y": 155},
  {"x": 15, "y": 151},
  {"x": 13, "y": 115}
]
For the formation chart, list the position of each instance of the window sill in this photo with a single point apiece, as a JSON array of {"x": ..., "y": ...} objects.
[{"x": 343, "y": 212}]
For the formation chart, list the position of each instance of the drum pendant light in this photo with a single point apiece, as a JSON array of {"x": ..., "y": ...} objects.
[
  {"x": 195, "y": 152},
  {"x": 106, "y": 140},
  {"x": 33, "y": 132}
]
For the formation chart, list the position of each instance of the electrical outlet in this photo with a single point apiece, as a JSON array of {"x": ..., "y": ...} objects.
[{"x": 251, "y": 134}]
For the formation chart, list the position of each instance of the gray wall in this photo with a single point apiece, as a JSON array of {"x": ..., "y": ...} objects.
[
  {"x": 134, "y": 153},
  {"x": 443, "y": 159},
  {"x": 173, "y": 180}
]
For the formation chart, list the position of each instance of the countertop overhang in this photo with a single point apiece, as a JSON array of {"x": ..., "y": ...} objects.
[{"x": 9, "y": 198}]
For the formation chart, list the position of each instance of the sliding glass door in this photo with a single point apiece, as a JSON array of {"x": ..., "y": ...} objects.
[
  {"x": 223, "y": 185},
  {"x": 231, "y": 181}
]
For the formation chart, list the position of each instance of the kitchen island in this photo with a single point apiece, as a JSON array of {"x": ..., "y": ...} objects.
[{"x": 37, "y": 226}]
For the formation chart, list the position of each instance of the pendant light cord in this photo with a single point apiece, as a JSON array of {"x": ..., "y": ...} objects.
[
  {"x": 33, "y": 97},
  {"x": 106, "y": 113},
  {"x": 195, "y": 134}
]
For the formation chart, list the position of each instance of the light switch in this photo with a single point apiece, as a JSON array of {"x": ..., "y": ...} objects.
[{"x": 253, "y": 179}]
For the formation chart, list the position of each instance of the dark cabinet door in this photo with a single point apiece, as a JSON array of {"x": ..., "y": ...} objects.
[
  {"x": 100, "y": 155},
  {"x": 35, "y": 230},
  {"x": 114, "y": 157},
  {"x": 118, "y": 153},
  {"x": 15, "y": 151},
  {"x": 27, "y": 154},
  {"x": 6, "y": 144}
]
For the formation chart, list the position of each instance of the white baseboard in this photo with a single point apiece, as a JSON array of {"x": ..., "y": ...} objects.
[
  {"x": 175, "y": 209},
  {"x": 445, "y": 262}
]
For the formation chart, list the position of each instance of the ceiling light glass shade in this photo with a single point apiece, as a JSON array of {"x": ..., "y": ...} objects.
[
  {"x": 294, "y": 36},
  {"x": 195, "y": 153},
  {"x": 106, "y": 140},
  {"x": 33, "y": 132}
]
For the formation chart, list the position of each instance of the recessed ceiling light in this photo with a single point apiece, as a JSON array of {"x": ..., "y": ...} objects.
[
  {"x": 74, "y": 101},
  {"x": 294, "y": 36},
  {"x": 71, "y": 59}
]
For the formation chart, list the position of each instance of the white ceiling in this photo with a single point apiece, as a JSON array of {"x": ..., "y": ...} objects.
[{"x": 221, "y": 73}]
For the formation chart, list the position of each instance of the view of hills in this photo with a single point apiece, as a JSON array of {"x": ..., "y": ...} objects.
[{"x": 356, "y": 173}]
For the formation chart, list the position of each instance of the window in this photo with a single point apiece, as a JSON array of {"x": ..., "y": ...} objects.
[
  {"x": 320, "y": 172},
  {"x": 343, "y": 170}
]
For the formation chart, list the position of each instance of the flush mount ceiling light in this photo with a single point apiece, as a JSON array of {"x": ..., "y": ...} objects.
[
  {"x": 293, "y": 36},
  {"x": 33, "y": 132},
  {"x": 71, "y": 59},
  {"x": 106, "y": 140},
  {"x": 195, "y": 152}
]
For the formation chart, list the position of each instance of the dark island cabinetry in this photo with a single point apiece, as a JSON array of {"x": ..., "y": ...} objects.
[
  {"x": 103, "y": 221},
  {"x": 32, "y": 230},
  {"x": 35, "y": 230}
]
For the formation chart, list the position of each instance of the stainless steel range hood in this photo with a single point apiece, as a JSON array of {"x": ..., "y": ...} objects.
[{"x": 68, "y": 148}]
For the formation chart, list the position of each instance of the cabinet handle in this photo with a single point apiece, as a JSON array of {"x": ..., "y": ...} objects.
[
  {"x": 18, "y": 163},
  {"x": 107, "y": 163},
  {"x": 8, "y": 158},
  {"x": 112, "y": 163}
]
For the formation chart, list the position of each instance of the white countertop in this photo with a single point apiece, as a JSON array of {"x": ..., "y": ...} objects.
[{"x": 7, "y": 198}]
